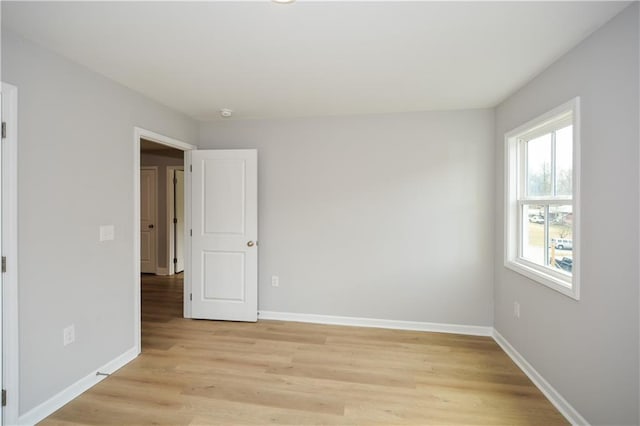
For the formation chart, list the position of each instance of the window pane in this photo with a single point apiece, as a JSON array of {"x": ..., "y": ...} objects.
[
  {"x": 564, "y": 160},
  {"x": 539, "y": 167},
  {"x": 561, "y": 238},
  {"x": 533, "y": 233}
]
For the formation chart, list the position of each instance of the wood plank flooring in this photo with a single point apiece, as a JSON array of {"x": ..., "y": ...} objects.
[{"x": 195, "y": 372}]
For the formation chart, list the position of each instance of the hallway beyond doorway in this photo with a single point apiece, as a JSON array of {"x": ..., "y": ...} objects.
[{"x": 161, "y": 301}]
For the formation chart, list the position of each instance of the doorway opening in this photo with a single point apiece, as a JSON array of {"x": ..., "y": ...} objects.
[
  {"x": 160, "y": 219},
  {"x": 161, "y": 211}
]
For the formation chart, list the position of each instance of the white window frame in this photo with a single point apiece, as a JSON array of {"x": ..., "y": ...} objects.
[{"x": 566, "y": 113}]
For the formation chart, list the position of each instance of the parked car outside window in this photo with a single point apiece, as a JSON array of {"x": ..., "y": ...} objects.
[
  {"x": 566, "y": 263},
  {"x": 536, "y": 219},
  {"x": 562, "y": 244}
]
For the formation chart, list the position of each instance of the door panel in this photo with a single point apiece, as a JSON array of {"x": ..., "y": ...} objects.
[
  {"x": 146, "y": 245},
  {"x": 223, "y": 276},
  {"x": 225, "y": 228},
  {"x": 148, "y": 197},
  {"x": 224, "y": 208}
]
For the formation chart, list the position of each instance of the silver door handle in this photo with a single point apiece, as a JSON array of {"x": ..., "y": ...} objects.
[{"x": 250, "y": 244}]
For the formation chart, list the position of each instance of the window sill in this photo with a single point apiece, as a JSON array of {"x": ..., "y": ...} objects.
[{"x": 548, "y": 280}]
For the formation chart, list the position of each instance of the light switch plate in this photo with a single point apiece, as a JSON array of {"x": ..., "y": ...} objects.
[
  {"x": 69, "y": 335},
  {"x": 107, "y": 232}
]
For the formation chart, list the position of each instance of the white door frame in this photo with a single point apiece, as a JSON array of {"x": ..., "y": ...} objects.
[
  {"x": 170, "y": 200},
  {"x": 140, "y": 133},
  {"x": 9, "y": 332}
]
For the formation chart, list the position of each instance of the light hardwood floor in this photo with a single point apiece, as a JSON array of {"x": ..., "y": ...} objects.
[{"x": 271, "y": 372}]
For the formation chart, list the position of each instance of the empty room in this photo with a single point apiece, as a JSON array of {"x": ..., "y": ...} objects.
[{"x": 320, "y": 212}]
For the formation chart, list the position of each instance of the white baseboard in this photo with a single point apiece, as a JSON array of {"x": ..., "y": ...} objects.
[
  {"x": 162, "y": 271},
  {"x": 570, "y": 413},
  {"x": 474, "y": 330},
  {"x": 48, "y": 407}
]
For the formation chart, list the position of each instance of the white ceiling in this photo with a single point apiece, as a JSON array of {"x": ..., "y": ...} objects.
[{"x": 263, "y": 59}]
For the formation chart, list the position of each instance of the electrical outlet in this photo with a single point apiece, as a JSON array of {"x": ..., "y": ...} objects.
[
  {"x": 275, "y": 281},
  {"x": 69, "y": 335},
  {"x": 516, "y": 309}
]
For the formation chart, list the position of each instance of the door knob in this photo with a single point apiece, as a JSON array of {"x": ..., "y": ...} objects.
[
  {"x": 151, "y": 226},
  {"x": 250, "y": 243}
]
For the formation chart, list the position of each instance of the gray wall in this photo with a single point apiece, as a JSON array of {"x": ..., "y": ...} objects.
[
  {"x": 382, "y": 216},
  {"x": 378, "y": 216},
  {"x": 587, "y": 349},
  {"x": 149, "y": 159},
  {"x": 75, "y": 173}
]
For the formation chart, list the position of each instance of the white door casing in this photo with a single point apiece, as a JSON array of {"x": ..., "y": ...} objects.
[
  {"x": 176, "y": 210},
  {"x": 224, "y": 252},
  {"x": 179, "y": 226},
  {"x": 148, "y": 215}
]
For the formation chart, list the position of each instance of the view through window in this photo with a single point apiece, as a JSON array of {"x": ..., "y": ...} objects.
[
  {"x": 547, "y": 212},
  {"x": 541, "y": 188}
]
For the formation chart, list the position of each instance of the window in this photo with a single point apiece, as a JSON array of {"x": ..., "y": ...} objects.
[{"x": 541, "y": 200}]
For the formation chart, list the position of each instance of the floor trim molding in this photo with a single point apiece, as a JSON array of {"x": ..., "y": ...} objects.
[
  {"x": 474, "y": 330},
  {"x": 48, "y": 407},
  {"x": 162, "y": 271},
  {"x": 570, "y": 413}
]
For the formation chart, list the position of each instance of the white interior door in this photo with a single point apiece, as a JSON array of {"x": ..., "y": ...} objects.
[
  {"x": 148, "y": 208},
  {"x": 224, "y": 252},
  {"x": 1, "y": 274},
  {"x": 179, "y": 224},
  {"x": 9, "y": 359}
]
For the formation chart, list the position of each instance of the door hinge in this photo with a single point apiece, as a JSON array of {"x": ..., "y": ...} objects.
[
  {"x": 4, "y": 263},
  {"x": 191, "y": 232},
  {"x": 4, "y": 397},
  {"x": 190, "y": 296},
  {"x": 175, "y": 260},
  {"x": 4, "y": 130},
  {"x": 175, "y": 180},
  {"x": 175, "y": 220},
  {"x": 190, "y": 167}
]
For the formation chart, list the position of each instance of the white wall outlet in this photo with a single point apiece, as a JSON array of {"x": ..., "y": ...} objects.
[
  {"x": 516, "y": 309},
  {"x": 107, "y": 232},
  {"x": 69, "y": 335},
  {"x": 275, "y": 281}
]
